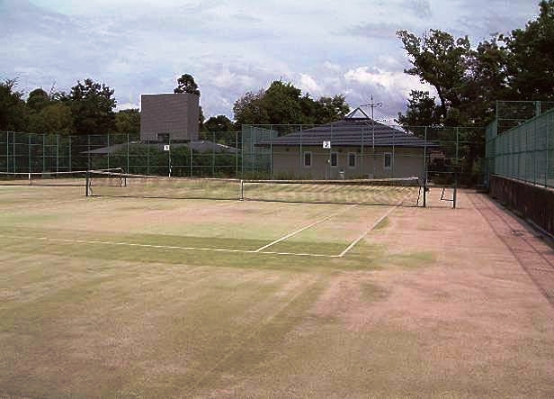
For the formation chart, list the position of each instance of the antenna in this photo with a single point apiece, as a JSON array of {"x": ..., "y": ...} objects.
[{"x": 373, "y": 105}]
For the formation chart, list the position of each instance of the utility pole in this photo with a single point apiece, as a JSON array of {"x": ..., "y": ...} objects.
[{"x": 373, "y": 105}]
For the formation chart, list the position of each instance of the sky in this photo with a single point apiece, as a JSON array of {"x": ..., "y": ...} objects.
[{"x": 232, "y": 47}]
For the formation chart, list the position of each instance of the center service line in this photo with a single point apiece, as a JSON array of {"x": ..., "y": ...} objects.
[
  {"x": 304, "y": 228},
  {"x": 367, "y": 232}
]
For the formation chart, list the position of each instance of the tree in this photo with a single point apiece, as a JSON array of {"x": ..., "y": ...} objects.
[
  {"x": 186, "y": 84},
  {"x": 531, "y": 61},
  {"x": 282, "y": 103},
  {"x": 250, "y": 109},
  {"x": 329, "y": 109},
  {"x": 219, "y": 123},
  {"x": 37, "y": 100},
  {"x": 13, "y": 114},
  {"x": 442, "y": 61},
  {"x": 54, "y": 118},
  {"x": 92, "y": 106},
  {"x": 128, "y": 122},
  {"x": 422, "y": 111}
]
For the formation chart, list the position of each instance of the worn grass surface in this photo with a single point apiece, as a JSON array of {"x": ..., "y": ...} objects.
[{"x": 158, "y": 298}]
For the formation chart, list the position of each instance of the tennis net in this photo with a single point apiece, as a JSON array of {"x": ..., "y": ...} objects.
[
  {"x": 76, "y": 178},
  {"x": 398, "y": 191}
]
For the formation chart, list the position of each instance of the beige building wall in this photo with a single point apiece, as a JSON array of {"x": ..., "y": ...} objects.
[{"x": 288, "y": 162}]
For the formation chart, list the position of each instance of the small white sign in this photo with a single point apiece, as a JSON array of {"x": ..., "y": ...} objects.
[
  {"x": 327, "y": 145},
  {"x": 166, "y": 147}
]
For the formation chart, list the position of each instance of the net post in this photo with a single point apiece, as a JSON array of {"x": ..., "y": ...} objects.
[
  {"x": 241, "y": 198},
  {"x": 87, "y": 183}
]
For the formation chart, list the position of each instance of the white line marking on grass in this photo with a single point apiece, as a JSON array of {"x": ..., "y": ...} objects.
[
  {"x": 130, "y": 244},
  {"x": 304, "y": 228},
  {"x": 360, "y": 238}
]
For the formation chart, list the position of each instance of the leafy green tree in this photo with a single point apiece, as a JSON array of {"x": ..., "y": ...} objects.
[
  {"x": 54, "y": 118},
  {"x": 442, "y": 61},
  {"x": 92, "y": 106},
  {"x": 531, "y": 62},
  {"x": 38, "y": 99},
  {"x": 282, "y": 103},
  {"x": 219, "y": 123},
  {"x": 329, "y": 109},
  {"x": 13, "y": 113},
  {"x": 186, "y": 84},
  {"x": 250, "y": 109},
  {"x": 422, "y": 111},
  {"x": 128, "y": 122}
]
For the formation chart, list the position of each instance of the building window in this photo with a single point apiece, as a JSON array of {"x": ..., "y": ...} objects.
[
  {"x": 351, "y": 159},
  {"x": 387, "y": 160},
  {"x": 307, "y": 159},
  {"x": 334, "y": 159}
]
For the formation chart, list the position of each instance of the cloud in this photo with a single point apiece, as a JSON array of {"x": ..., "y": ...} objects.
[
  {"x": 309, "y": 85},
  {"x": 234, "y": 46},
  {"x": 421, "y": 8}
]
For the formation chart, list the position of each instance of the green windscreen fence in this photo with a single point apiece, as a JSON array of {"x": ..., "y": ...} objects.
[{"x": 524, "y": 152}]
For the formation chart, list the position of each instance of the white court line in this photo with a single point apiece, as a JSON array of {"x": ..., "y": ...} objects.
[
  {"x": 366, "y": 232},
  {"x": 304, "y": 228},
  {"x": 130, "y": 244}
]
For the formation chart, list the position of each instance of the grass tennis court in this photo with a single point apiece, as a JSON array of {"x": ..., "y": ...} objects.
[{"x": 135, "y": 297}]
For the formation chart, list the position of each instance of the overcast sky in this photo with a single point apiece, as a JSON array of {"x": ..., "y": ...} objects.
[{"x": 323, "y": 47}]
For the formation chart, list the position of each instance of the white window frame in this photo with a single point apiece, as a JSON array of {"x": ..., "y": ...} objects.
[
  {"x": 336, "y": 154},
  {"x": 352, "y": 155},
  {"x": 385, "y": 167},
  {"x": 304, "y": 159}
]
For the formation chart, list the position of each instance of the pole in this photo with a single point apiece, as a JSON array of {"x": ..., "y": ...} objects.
[
  {"x": 454, "y": 197},
  {"x": 29, "y": 144},
  {"x": 169, "y": 156},
  {"x": 425, "y": 171}
]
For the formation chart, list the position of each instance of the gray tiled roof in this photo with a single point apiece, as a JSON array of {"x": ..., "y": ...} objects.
[{"x": 350, "y": 132}]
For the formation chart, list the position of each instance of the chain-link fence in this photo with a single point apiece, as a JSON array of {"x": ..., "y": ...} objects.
[
  {"x": 524, "y": 152},
  {"x": 357, "y": 149},
  {"x": 218, "y": 155}
]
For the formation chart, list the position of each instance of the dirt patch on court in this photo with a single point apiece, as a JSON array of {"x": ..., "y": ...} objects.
[{"x": 475, "y": 310}]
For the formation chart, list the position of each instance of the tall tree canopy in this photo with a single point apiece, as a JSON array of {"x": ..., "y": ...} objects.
[
  {"x": 186, "y": 84},
  {"x": 92, "y": 106},
  {"x": 468, "y": 81},
  {"x": 13, "y": 113},
  {"x": 531, "y": 60},
  {"x": 282, "y": 103},
  {"x": 127, "y": 121}
]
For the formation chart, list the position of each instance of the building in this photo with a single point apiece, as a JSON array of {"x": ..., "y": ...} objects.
[
  {"x": 352, "y": 148},
  {"x": 165, "y": 117}
]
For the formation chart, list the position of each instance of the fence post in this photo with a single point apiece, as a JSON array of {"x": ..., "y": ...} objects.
[
  {"x": 29, "y": 143},
  {"x": 14, "y": 158},
  {"x": 425, "y": 167},
  {"x": 213, "y": 154},
  {"x": 70, "y": 167},
  {"x": 108, "y": 148},
  {"x": 456, "y": 170},
  {"x": 237, "y": 152},
  {"x": 43, "y": 153},
  {"x": 128, "y": 154}
]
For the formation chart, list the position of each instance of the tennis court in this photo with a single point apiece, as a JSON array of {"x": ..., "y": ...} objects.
[{"x": 112, "y": 295}]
